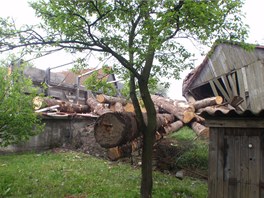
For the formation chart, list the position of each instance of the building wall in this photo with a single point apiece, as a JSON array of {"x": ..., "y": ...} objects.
[{"x": 57, "y": 132}]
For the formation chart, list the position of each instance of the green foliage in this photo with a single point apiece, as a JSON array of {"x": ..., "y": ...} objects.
[
  {"x": 97, "y": 82},
  {"x": 195, "y": 155},
  {"x": 18, "y": 120},
  {"x": 127, "y": 30},
  {"x": 76, "y": 174},
  {"x": 145, "y": 37}
]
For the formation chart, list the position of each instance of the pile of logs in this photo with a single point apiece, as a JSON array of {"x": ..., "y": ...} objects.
[{"x": 117, "y": 128}]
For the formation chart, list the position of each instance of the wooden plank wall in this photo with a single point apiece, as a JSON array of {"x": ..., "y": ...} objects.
[{"x": 236, "y": 163}]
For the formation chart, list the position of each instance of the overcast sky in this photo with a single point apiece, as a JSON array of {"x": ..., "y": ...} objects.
[{"x": 23, "y": 14}]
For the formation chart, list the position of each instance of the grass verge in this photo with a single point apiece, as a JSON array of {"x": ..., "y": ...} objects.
[
  {"x": 195, "y": 155},
  {"x": 72, "y": 174}
]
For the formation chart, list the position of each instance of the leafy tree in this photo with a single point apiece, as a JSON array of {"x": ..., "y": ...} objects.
[
  {"x": 143, "y": 36},
  {"x": 98, "y": 82},
  {"x": 18, "y": 120}
]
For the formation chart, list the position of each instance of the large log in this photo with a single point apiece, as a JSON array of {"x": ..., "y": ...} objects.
[
  {"x": 118, "y": 107},
  {"x": 217, "y": 100},
  {"x": 110, "y": 99},
  {"x": 172, "y": 127},
  {"x": 73, "y": 108},
  {"x": 200, "y": 129},
  {"x": 43, "y": 102},
  {"x": 127, "y": 149},
  {"x": 114, "y": 129},
  {"x": 182, "y": 110},
  {"x": 96, "y": 107}
]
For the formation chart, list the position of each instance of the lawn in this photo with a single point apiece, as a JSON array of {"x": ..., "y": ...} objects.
[{"x": 72, "y": 174}]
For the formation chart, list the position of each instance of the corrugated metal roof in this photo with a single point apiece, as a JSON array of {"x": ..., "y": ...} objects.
[{"x": 231, "y": 113}]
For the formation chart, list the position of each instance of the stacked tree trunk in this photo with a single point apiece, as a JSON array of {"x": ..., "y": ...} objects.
[{"x": 117, "y": 128}]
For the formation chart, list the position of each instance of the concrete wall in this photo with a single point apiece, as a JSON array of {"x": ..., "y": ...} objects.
[{"x": 57, "y": 132}]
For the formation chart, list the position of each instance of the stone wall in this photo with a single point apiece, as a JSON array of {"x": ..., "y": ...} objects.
[{"x": 58, "y": 132}]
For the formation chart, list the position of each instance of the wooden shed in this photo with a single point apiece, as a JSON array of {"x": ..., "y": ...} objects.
[
  {"x": 236, "y": 154},
  {"x": 232, "y": 72}
]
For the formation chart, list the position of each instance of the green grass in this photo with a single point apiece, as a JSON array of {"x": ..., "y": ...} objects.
[
  {"x": 195, "y": 155},
  {"x": 75, "y": 174}
]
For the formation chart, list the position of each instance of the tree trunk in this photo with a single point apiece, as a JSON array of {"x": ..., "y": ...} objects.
[
  {"x": 175, "y": 126},
  {"x": 208, "y": 102},
  {"x": 73, "y": 108},
  {"x": 96, "y": 107},
  {"x": 200, "y": 129},
  {"x": 114, "y": 129},
  {"x": 40, "y": 102},
  {"x": 124, "y": 150},
  {"x": 119, "y": 107},
  {"x": 110, "y": 99},
  {"x": 180, "y": 109}
]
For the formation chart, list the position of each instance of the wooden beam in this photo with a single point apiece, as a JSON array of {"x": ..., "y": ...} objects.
[
  {"x": 227, "y": 86},
  {"x": 219, "y": 86},
  {"x": 233, "y": 85},
  {"x": 213, "y": 88},
  {"x": 235, "y": 123}
]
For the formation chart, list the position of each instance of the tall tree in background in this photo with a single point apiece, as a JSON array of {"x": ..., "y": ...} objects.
[
  {"x": 143, "y": 36},
  {"x": 18, "y": 121}
]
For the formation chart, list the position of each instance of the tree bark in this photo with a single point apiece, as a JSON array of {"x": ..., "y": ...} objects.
[
  {"x": 119, "y": 107},
  {"x": 110, "y": 99},
  {"x": 200, "y": 129},
  {"x": 125, "y": 150},
  {"x": 175, "y": 126},
  {"x": 73, "y": 108},
  {"x": 208, "y": 102},
  {"x": 40, "y": 102},
  {"x": 114, "y": 129},
  {"x": 96, "y": 107},
  {"x": 182, "y": 110}
]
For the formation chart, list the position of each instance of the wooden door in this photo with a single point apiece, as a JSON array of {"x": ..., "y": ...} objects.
[{"x": 238, "y": 163}]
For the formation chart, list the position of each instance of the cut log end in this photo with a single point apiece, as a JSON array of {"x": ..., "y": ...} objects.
[
  {"x": 114, "y": 129},
  {"x": 188, "y": 116},
  {"x": 100, "y": 98},
  {"x": 109, "y": 130},
  {"x": 218, "y": 100},
  {"x": 37, "y": 102},
  {"x": 129, "y": 107}
]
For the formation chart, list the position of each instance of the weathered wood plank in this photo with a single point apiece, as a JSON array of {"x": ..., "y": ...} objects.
[
  {"x": 241, "y": 87},
  {"x": 213, "y": 150},
  {"x": 230, "y": 166},
  {"x": 234, "y": 123},
  {"x": 220, "y": 164},
  {"x": 232, "y": 84},
  {"x": 244, "y": 168},
  {"x": 238, "y": 155},
  {"x": 213, "y": 88},
  {"x": 219, "y": 86},
  {"x": 254, "y": 166},
  {"x": 227, "y": 86}
]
